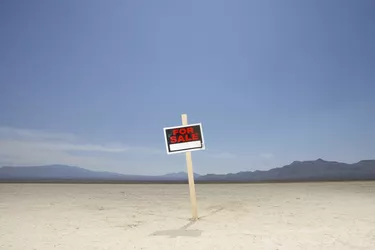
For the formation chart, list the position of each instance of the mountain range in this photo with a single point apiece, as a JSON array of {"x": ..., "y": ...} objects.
[
  {"x": 318, "y": 170},
  {"x": 71, "y": 173}
]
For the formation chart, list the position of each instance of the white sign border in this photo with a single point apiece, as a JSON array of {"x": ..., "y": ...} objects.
[{"x": 187, "y": 150}]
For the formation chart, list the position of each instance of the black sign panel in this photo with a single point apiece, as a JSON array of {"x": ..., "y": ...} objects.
[{"x": 184, "y": 138}]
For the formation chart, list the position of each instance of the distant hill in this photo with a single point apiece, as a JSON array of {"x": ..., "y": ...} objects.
[
  {"x": 64, "y": 172},
  {"x": 179, "y": 175},
  {"x": 318, "y": 170},
  {"x": 55, "y": 172}
]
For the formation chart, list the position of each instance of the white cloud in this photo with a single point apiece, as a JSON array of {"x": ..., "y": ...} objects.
[
  {"x": 29, "y": 134},
  {"x": 266, "y": 155},
  {"x": 53, "y": 141},
  {"x": 223, "y": 155},
  {"x": 35, "y": 147}
]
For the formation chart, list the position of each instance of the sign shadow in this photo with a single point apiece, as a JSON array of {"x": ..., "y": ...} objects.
[{"x": 184, "y": 231}]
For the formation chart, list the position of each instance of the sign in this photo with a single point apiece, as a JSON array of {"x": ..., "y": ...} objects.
[{"x": 184, "y": 138}]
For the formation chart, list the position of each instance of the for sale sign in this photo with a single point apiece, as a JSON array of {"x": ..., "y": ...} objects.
[{"x": 184, "y": 138}]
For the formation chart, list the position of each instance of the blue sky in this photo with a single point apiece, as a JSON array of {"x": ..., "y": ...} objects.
[{"x": 92, "y": 83}]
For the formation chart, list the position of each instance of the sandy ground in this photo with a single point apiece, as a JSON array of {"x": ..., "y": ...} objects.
[{"x": 242, "y": 216}]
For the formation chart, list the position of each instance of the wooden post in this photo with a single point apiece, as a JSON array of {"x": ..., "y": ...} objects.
[{"x": 189, "y": 164}]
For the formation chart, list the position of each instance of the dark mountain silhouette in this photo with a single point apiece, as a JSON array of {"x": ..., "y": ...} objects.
[
  {"x": 318, "y": 170},
  {"x": 180, "y": 175},
  {"x": 54, "y": 172},
  {"x": 64, "y": 172}
]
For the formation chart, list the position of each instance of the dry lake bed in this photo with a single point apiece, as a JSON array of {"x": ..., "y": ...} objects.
[{"x": 308, "y": 216}]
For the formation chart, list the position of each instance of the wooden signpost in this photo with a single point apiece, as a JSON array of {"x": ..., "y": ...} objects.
[{"x": 186, "y": 138}]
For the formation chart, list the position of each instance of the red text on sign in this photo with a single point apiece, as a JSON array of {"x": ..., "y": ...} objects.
[{"x": 183, "y": 135}]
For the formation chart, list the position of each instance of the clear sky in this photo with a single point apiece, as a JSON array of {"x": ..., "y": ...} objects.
[{"x": 92, "y": 83}]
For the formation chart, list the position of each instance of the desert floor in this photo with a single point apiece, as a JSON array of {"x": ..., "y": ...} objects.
[{"x": 232, "y": 216}]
